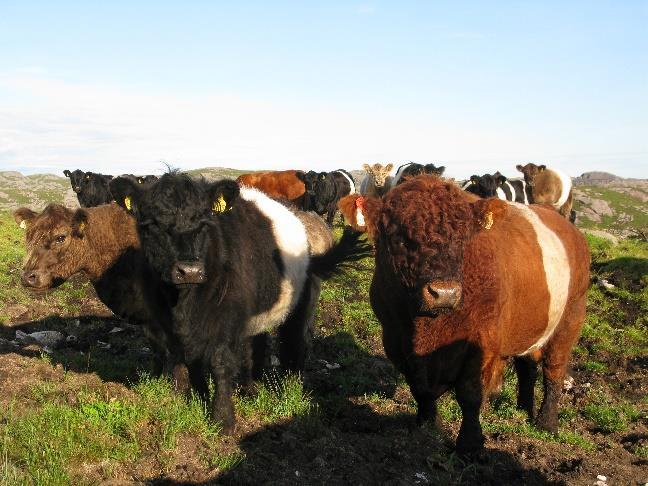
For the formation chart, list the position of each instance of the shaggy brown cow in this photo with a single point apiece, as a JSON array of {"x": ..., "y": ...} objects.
[
  {"x": 282, "y": 184},
  {"x": 102, "y": 243},
  {"x": 549, "y": 186},
  {"x": 461, "y": 284}
]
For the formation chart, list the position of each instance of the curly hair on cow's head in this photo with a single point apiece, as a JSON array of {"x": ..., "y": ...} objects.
[{"x": 422, "y": 226}]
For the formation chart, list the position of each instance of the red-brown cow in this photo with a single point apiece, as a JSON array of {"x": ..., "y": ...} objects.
[
  {"x": 281, "y": 184},
  {"x": 462, "y": 284}
]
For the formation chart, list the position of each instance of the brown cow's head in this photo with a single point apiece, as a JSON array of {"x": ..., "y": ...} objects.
[
  {"x": 55, "y": 245},
  {"x": 420, "y": 229},
  {"x": 378, "y": 173},
  {"x": 530, "y": 172}
]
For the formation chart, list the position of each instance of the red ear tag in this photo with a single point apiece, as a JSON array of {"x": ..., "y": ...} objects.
[{"x": 360, "y": 202}]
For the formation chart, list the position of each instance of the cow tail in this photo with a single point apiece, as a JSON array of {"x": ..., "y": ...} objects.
[{"x": 350, "y": 248}]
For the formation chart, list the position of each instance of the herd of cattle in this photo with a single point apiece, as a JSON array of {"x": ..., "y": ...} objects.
[{"x": 464, "y": 279}]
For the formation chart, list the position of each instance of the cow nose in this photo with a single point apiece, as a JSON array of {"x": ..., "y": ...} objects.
[
  {"x": 440, "y": 294},
  {"x": 188, "y": 272},
  {"x": 29, "y": 278}
]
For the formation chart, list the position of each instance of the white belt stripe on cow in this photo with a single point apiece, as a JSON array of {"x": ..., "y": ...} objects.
[
  {"x": 566, "y": 183},
  {"x": 557, "y": 272},
  {"x": 353, "y": 190}
]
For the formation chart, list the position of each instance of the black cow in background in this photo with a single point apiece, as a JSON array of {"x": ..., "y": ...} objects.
[
  {"x": 240, "y": 262},
  {"x": 91, "y": 188},
  {"x": 324, "y": 190},
  {"x": 412, "y": 169}
]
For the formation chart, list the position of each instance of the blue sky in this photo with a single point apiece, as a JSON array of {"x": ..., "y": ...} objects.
[{"x": 476, "y": 86}]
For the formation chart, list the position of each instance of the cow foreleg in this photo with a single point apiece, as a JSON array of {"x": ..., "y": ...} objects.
[
  {"x": 330, "y": 216},
  {"x": 295, "y": 333},
  {"x": 470, "y": 393},
  {"x": 223, "y": 366},
  {"x": 198, "y": 381}
]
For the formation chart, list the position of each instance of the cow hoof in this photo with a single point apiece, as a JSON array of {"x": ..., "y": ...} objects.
[
  {"x": 470, "y": 444},
  {"x": 549, "y": 425}
]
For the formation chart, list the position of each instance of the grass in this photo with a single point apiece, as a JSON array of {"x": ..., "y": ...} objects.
[{"x": 94, "y": 432}]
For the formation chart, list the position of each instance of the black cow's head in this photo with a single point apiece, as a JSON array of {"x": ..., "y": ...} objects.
[
  {"x": 486, "y": 185},
  {"x": 312, "y": 180},
  {"x": 77, "y": 179},
  {"x": 178, "y": 221}
]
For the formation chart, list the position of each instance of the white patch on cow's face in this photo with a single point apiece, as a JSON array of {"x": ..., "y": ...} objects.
[
  {"x": 290, "y": 236},
  {"x": 557, "y": 272},
  {"x": 353, "y": 189},
  {"x": 566, "y": 184}
]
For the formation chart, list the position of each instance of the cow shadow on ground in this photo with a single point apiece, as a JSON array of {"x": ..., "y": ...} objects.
[{"x": 350, "y": 435}]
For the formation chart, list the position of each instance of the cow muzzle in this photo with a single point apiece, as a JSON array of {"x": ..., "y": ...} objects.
[
  {"x": 440, "y": 294},
  {"x": 188, "y": 272}
]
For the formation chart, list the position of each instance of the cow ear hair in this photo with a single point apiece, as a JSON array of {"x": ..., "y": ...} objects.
[
  {"x": 66, "y": 173},
  {"x": 223, "y": 194},
  {"x": 125, "y": 192},
  {"x": 24, "y": 216},
  {"x": 79, "y": 223},
  {"x": 542, "y": 167},
  {"x": 366, "y": 167},
  {"x": 389, "y": 167},
  {"x": 519, "y": 168},
  {"x": 300, "y": 175},
  {"x": 441, "y": 170},
  {"x": 488, "y": 212}
]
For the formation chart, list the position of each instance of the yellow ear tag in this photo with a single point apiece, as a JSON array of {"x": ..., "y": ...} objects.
[
  {"x": 487, "y": 223},
  {"x": 82, "y": 226},
  {"x": 23, "y": 224},
  {"x": 219, "y": 205},
  {"x": 127, "y": 202}
]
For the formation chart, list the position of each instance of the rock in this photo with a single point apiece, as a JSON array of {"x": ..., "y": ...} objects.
[
  {"x": 103, "y": 345},
  {"x": 605, "y": 284},
  {"x": 600, "y": 477},
  {"x": 568, "y": 383},
  {"x": 46, "y": 339},
  {"x": 115, "y": 330},
  {"x": 602, "y": 234}
]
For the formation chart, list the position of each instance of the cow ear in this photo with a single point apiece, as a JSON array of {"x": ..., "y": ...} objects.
[
  {"x": 366, "y": 167},
  {"x": 125, "y": 192},
  {"x": 441, "y": 170},
  {"x": 488, "y": 212},
  {"x": 79, "y": 223},
  {"x": 389, "y": 167},
  {"x": 519, "y": 168},
  {"x": 359, "y": 212},
  {"x": 66, "y": 173},
  {"x": 300, "y": 175},
  {"x": 501, "y": 179},
  {"x": 24, "y": 217},
  {"x": 541, "y": 168},
  {"x": 222, "y": 195}
]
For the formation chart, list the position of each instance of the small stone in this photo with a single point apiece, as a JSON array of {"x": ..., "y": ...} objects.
[
  {"x": 71, "y": 338},
  {"x": 332, "y": 366},
  {"x": 115, "y": 330},
  {"x": 600, "y": 477},
  {"x": 103, "y": 345},
  {"x": 568, "y": 383},
  {"x": 274, "y": 361}
]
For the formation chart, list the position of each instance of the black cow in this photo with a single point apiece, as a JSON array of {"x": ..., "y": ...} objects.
[
  {"x": 326, "y": 189},
  {"x": 241, "y": 264},
  {"x": 412, "y": 169},
  {"x": 91, "y": 189},
  {"x": 310, "y": 180},
  {"x": 497, "y": 185}
]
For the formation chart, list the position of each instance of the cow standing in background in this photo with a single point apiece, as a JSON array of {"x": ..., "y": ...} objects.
[
  {"x": 377, "y": 179},
  {"x": 497, "y": 185},
  {"x": 241, "y": 266},
  {"x": 287, "y": 185},
  {"x": 324, "y": 190},
  {"x": 412, "y": 169},
  {"x": 461, "y": 284},
  {"x": 550, "y": 186},
  {"x": 91, "y": 188}
]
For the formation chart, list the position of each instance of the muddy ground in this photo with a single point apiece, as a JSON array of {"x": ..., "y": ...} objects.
[{"x": 353, "y": 438}]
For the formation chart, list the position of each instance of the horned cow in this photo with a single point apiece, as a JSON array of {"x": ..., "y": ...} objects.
[{"x": 449, "y": 320}]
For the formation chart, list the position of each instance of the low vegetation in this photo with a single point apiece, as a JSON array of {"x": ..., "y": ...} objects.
[{"x": 88, "y": 410}]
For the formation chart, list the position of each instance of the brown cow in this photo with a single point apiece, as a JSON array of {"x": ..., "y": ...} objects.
[
  {"x": 549, "y": 186},
  {"x": 377, "y": 179},
  {"x": 461, "y": 284},
  {"x": 282, "y": 184}
]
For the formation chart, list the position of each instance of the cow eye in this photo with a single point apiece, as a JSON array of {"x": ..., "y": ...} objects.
[{"x": 60, "y": 239}]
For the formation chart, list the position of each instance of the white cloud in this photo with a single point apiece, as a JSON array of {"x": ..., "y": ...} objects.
[{"x": 57, "y": 125}]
